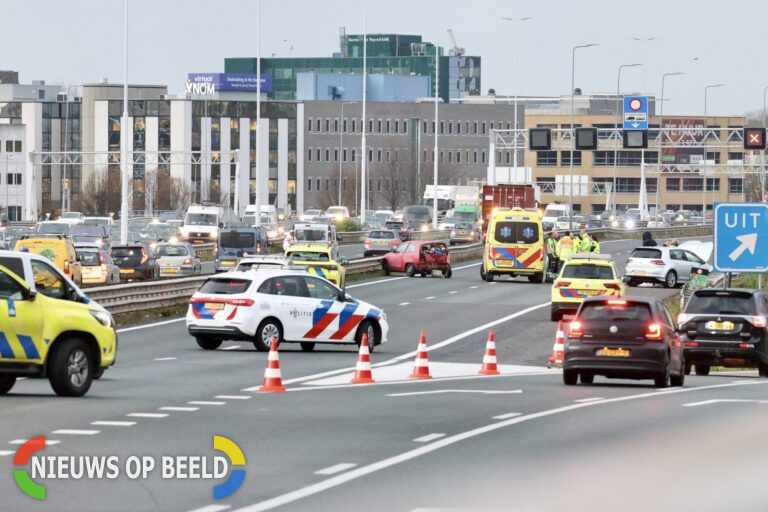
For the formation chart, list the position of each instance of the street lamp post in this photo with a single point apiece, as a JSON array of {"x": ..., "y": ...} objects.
[
  {"x": 364, "y": 150},
  {"x": 661, "y": 137},
  {"x": 437, "y": 100},
  {"x": 704, "y": 166},
  {"x": 644, "y": 40},
  {"x": 516, "y": 22},
  {"x": 573, "y": 131},
  {"x": 341, "y": 146},
  {"x": 618, "y": 124},
  {"x": 124, "y": 137}
]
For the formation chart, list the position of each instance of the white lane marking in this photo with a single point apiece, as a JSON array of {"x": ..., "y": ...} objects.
[
  {"x": 404, "y": 304},
  {"x": 67, "y": 432},
  {"x": 233, "y": 347},
  {"x": 409, "y": 355},
  {"x": 113, "y": 423},
  {"x": 494, "y": 282},
  {"x": 178, "y": 409},
  {"x": 444, "y": 391},
  {"x": 338, "y": 480},
  {"x": 212, "y": 508},
  {"x": 380, "y": 281},
  {"x": 473, "y": 287},
  {"x": 454, "y": 291},
  {"x": 22, "y": 441},
  {"x": 338, "y": 468},
  {"x": 427, "y": 438},
  {"x": 724, "y": 400},
  {"x": 507, "y": 416},
  {"x": 233, "y": 397},
  {"x": 147, "y": 415},
  {"x": 166, "y": 358},
  {"x": 429, "y": 298},
  {"x": 202, "y": 402},
  {"x": 147, "y": 326},
  {"x": 5, "y": 453},
  {"x": 587, "y": 400}
]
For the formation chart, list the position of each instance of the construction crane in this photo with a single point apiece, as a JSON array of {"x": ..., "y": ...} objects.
[{"x": 456, "y": 51}]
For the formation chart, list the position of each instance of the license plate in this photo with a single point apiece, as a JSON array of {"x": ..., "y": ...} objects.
[
  {"x": 170, "y": 269},
  {"x": 720, "y": 326},
  {"x": 589, "y": 292},
  {"x": 214, "y": 305},
  {"x": 639, "y": 272},
  {"x": 613, "y": 352},
  {"x": 126, "y": 271},
  {"x": 505, "y": 263},
  {"x": 227, "y": 263}
]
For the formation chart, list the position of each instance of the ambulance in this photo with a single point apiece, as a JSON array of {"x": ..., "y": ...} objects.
[{"x": 514, "y": 245}]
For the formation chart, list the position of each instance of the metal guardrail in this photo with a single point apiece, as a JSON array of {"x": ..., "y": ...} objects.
[
  {"x": 354, "y": 237},
  {"x": 206, "y": 252}
]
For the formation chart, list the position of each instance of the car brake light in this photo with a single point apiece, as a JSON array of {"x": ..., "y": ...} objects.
[
  {"x": 102, "y": 261},
  {"x": 66, "y": 266},
  {"x": 653, "y": 332},
  {"x": 746, "y": 345},
  {"x": 612, "y": 286},
  {"x": 562, "y": 284},
  {"x": 240, "y": 302},
  {"x": 658, "y": 262},
  {"x": 617, "y": 302},
  {"x": 574, "y": 329},
  {"x": 368, "y": 241},
  {"x": 691, "y": 343},
  {"x": 394, "y": 242},
  {"x": 187, "y": 261},
  {"x": 144, "y": 255},
  {"x": 758, "y": 321}
]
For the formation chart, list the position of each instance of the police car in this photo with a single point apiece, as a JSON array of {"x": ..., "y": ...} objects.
[
  {"x": 584, "y": 275},
  {"x": 284, "y": 304}
]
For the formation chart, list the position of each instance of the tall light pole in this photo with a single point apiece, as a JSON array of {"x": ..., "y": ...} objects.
[
  {"x": 437, "y": 101},
  {"x": 704, "y": 166},
  {"x": 341, "y": 146},
  {"x": 661, "y": 137},
  {"x": 573, "y": 131},
  {"x": 364, "y": 156},
  {"x": 618, "y": 127},
  {"x": 124, "y": 135},
  {"x": 257, "y": 201},
  {"x": 644, "y": 40},
  {"x": 516, "y": 22}
]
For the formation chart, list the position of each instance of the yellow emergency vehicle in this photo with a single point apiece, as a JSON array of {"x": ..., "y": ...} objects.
[
  {"x": 584, "y": 275},
  {"x": 514, "y": 245},
  {"x": 318, "y": 258}
]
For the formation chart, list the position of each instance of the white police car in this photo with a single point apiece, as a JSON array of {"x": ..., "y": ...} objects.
[{"x": 290, "y": 305}]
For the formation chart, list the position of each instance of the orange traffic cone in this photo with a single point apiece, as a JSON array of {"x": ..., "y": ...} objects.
[
  {"x": 489, "y": 359},
  {"x": 273, "y": 381},
  {"x": 421, "y": 365},
  {"x": 557, "y": 350},
  {"x": 363, "y": 369}
]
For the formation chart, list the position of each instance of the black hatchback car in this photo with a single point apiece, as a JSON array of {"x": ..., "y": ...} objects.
[
  {"x": 136, "y": 262},
  {"x": 725, "y": 328},
  {"x": 622, "y": 338}
]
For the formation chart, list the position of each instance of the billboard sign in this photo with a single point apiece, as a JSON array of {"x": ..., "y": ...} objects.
[
  {"x": 686, "y": 135},
  {"x": 211, "y": 83}
]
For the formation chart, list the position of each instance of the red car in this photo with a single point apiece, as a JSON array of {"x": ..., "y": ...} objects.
[{"x": 419, "y": 257}]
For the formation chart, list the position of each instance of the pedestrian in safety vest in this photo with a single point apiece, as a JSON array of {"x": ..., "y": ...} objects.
[
  {"x": 551, "y": 246},
  {"x": 584, "y": 242},
  {"x": 595, "y": 247},
  {"x": 565, "y": 247}
]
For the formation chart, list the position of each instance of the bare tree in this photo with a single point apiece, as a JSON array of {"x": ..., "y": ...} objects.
[
  {"x": 394, "y": 177},
  {"x": 179, "y": 194},
  {"x": 94, "y": 197},
  {"x": 151, "y": 189}
]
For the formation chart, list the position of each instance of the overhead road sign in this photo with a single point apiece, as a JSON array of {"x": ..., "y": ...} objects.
[
  {"x": 754, "y": 138},
  {"x": 635, "y": 139},
  {"x": 539, "y": 139},
  {"x": 635, "y": 112},
  {"x": 586, "y": 138},
  {"x": 741, "y": 237}
]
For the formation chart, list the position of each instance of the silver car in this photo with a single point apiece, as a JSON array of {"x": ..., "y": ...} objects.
[
  {"x": 669, "y": 266},
  {"x": 464, "y": 232},
  {"x": 177, "y": 260}
]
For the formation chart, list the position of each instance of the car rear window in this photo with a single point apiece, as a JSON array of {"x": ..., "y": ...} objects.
[
  {"x": 586, "y": 271},
  {"x": 89, "y": 258},
  {"x": 648, "y": 254},
  {"x": 171, "y": 250},
  {"x": 722, "y": 303},
  {"x": 237, "y": 240},
  {"x": 127, "y": 255},
  {"x": 308, "y": 256},
  {"x": 517, "y": 232},
  {"x": 382, "y": 234},
  {"x": 219, "y": 286},
  {"x": 620, "y": 311},
  {"x": 86, "y": 230}
]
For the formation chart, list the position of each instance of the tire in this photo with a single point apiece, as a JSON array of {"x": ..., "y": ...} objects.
[
  {"x": 662, "y": 380},
  {"x": 570, "y": 377},
  {"x": 687, "y": 368},
  {"x": 366, "y": 254},
  {"x": 268, "y": 329},
  {"x": 307, "y": 346},
  {"x": 410, "y": 270},
  {"x": 367, "y": 327},
  {"x": 762, "y": 369},
  {"x": 587, "y": 378},
  {"x": 385, "y": 267},
  {"x": 207, "y": 343},
  {"x": 489, "y": 277},
  {"x": 631, "y": 283},
  {"x": 448, "y": 273},
  {"x": 535, "y": 278},
  {"x": 70, "y": 369},
  {"x": 482, "y": 271},
  {"x": 6, "y": 383},
  {"x": 678, "y": 381},
  {"x": 670, "y": 280},
  {"x": 98, "y": 373},
  {"x": 702, "y": 369},
  {"x": 424, "y": 274}
]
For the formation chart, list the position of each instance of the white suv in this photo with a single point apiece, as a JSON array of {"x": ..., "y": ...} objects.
[{"x": 669, "y": 266}]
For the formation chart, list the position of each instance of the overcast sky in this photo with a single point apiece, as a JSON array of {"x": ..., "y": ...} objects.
[{"x": 79, "y": 41}]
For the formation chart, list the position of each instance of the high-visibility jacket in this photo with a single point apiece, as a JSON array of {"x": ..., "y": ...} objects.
[
  {"x": 565, "y": 248},
  {"x": 551, "y": 246},
  {"x": 585, "y": 244},
  {"x": 595, "y": 247}
]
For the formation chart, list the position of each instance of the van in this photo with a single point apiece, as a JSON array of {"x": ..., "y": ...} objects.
[
  {"x": 514, "y": 245},
  {"x": 57, "y": 248},
  {"x": 268, "y": 214},
  {"x": 553, "y": 211},
  {"x": 235, "y": 243},
  {"x": 418, "y": 217},
  {"x": 202, "y": 223},
  {"x": 316, "y": 234}
]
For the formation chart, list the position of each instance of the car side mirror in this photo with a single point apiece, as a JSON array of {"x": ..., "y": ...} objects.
[
  {"x": 30, "y": 294},
  {"x": 344, "y": 263},
  {"x": 221, "y": 224},
  {"x": 338, "y": 238}
]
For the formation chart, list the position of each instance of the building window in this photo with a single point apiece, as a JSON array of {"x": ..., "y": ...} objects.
[
  {"x": 735, "y": 155},
  {"x": 735, "y": 186},
  {"x": 602, "y": 158},
  {"x": 509, "y": 157},
  {"x": 450, "y": 157},
  {"x": 632, "y": 185},
  {"x": 442, "y": 127},
  {"x": 327, "y": 184},
  {"x": 474, "y": 157},
  {"x": 378, "y": 156},
  {"x": 405, "y": 127},
  {"x": 388, "y": 157},
  {"x": 378, "y": 126},
  {"x": 309, "y": 126},
  {"x": 673, "y": 184},
  {"x": 317, "y": 183},
  {"x": 354, "y": 152},
  {"x": 13, "y": 178},
  {"x": 370, "y": 155},
  {"x": 715, "y": 156},
  {"x": 14, "y": 213},
  {"x": 565, "y": 158},
  {"x": 483, "y": 128},
  {"x": 327, "y": 155},
  {"x": 317, "y": 125},
  {"x": 474, "y": 128},
  {"x": 389, "y": 126},
  {"x": 713, "y": 182},
  {"x": 450, "y": 127},
  {"x": 692, "y": 184},
  {"x": 354, "y": 125},
  {"x": 344, "y": 184},
  {"x": 309, "y": 155},
  {"x": 458, "y": 157},
  {"x": 327, "y": 125},
  {"x": 546, "y": 158},
  {"x": 344, "y": 155},
  {"x": 482, "y": 157},
  {"x": 309, "y": 184},
  {"x": 317, "y": 154},
  {"x": 335, "y": 155}
]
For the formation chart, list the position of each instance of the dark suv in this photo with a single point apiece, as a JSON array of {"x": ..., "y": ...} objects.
[
  {"x": 623, "y": 339},
  {"x": 136, "y": 262},
  {"x": 725, "y": 328}
]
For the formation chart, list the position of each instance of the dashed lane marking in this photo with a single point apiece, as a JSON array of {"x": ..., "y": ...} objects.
[
  {"x": 67, "y": 432},
  {"x": 429, "y": 298},
  {"x": 233, "y": 347},
  {"x": 113, "y": 423},
  {"x": 507, "y": 416},
  {"x": 587, "y": 400},
  {"x": 338, "y": 468},
  {"x": 5, "y": 453},
  {"x": 48, "y": 442},
  {"x": 165, "y": 358},
  {"x": 404, "y": 304},
  {"x": 233, "y": 397},
  {"x": 427, "y": 438},
  {"x": 724, "y": 400},
  {"x": 473, "y": 287},
  {"x": 147, "y": 415},
  {"x": 201, "y": 402},
  {"x": 179, "y": 409},
  {"x": 454, "y": 291},
  {"x": 444, "y": 391}
]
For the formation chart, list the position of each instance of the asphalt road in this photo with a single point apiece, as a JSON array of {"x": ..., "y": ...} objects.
[{"x": 522, "y": 441}]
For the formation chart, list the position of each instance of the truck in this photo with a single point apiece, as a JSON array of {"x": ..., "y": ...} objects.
[
  {"x": 202, "y": 223},
  {"x": 452, "y": 198},
  {"x": 507, "y": 196}
]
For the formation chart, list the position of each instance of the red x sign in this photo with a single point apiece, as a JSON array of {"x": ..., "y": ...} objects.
[{"x": 754, "y": 138}]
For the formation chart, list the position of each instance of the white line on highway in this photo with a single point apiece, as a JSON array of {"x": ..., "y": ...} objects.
[
  {"x": 22, "y": 441},
  {"x": 429, "y": 298},
  {"x": 404, "y": 304},
  {"x": 507, "y": 416},
  {"x": 147, "y": 415},
  {"x": 233, "y": 347},
  {"x": 473, "y": 287},
  {"x": 166, "y": 358},
  {"x": 389, "y": 280},
  {"x": 147, "y": 326},
  {"x": 443, "y": 391},
  {"x": 76, "y": 432},
  {"x": 427, "y": 438},
  {"x": 338, "y": 480},
  {"x": 338, "y": 468},
  {"x": 233, "y": 397},
  {"x": 454, "y": 291},
  {"x": 723, "y": 400},
  {"x": 212, "y": 508},
  {"x": 5, "y": 453},
  {"x": 587, "y": 400},
  {"x": 179, "y": 409},
  {"x": 113, "y": 423},
  {"x": 199, "y": 402}
]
